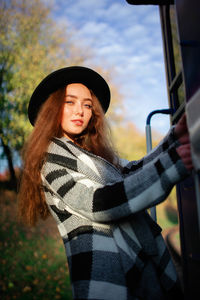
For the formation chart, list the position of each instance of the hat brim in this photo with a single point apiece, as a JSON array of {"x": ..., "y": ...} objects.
[{"x": 62, "y": 77}]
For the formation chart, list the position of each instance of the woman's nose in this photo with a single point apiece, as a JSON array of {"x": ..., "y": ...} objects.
[{"x": 79, "y": 109}]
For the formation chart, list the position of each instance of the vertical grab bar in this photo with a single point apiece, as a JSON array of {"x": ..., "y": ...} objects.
[{"x": 149, "y": 143}]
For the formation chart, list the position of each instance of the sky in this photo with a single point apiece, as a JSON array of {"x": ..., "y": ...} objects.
[{"x": 127, "y": 38}]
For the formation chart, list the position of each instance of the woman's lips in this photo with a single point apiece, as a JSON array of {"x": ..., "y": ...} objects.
[{"x": 78, "y": 122}]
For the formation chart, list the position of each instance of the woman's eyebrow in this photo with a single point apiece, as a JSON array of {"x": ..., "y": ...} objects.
[
  {"x": 87, "y": 99},
  {"x": 73, "y": 96}
]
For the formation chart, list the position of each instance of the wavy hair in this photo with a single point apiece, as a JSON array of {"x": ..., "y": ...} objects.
[{"x": 96, "y": 139}]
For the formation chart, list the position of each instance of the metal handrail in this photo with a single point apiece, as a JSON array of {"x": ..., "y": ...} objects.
[{"x": 167, "y": 111}]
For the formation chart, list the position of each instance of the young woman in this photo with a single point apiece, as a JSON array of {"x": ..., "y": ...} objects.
[{"x": 114, "y": 249}]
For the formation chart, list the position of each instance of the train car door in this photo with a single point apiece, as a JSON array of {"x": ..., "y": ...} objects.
[{"x": 181, "y": 45}]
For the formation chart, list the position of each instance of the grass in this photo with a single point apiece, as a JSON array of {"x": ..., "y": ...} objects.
[{"x": 33, "y": 261}]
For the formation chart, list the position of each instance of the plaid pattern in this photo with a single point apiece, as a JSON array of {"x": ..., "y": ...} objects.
[{"x": 114, "y": 248}]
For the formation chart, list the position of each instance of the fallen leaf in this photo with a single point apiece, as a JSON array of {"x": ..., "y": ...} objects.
[{"x": 26, "y": 289}]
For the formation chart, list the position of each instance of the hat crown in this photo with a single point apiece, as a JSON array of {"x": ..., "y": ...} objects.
[{"x": 62, "y": 77}]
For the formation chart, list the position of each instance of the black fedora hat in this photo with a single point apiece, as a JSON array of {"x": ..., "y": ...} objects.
[{"x": 60, "y": 78}]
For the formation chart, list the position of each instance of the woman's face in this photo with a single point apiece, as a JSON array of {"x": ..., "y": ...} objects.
[{"x": 77, "y": 110}]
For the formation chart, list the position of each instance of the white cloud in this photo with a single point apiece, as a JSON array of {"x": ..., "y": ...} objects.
[{"x": 128, "y": 38}]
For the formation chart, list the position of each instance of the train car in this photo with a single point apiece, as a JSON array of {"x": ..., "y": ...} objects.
[{"x": 179, "y": 20}]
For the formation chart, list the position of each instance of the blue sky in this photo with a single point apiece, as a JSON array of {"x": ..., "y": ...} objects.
[{"x": 128, "y": 39}]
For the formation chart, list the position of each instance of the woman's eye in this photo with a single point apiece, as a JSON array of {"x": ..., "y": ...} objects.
[
  {"x": 69, "y": 102},
  {"x": 88, "y": 106}
]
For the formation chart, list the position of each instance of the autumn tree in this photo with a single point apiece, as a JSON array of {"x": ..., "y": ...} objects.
[{"x": 32, "y": 45}]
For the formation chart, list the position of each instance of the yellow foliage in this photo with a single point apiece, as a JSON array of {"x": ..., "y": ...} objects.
[
  {"x": 129, "y": 141},
  {"x": 32, "y": 46}
]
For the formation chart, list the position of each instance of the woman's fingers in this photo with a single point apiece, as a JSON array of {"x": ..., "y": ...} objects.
[
  {"x": 181, "y": 127},
  {"x": 184, "y": 152},
  {"x": 184, "y": 139},
  {"x": 181, "y": 130}
]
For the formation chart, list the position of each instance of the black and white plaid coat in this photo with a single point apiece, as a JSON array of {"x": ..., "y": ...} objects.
[{"x": 114, "y": 248}]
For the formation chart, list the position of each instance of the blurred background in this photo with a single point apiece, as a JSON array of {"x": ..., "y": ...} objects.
[{"x": 121, "y": 42}]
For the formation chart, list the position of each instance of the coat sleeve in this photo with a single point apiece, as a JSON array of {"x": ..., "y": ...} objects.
[
  {"x": 167, "y": 142},
  {"x": 150, "y": 185}
]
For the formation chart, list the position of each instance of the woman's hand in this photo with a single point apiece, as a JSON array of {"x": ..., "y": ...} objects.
[
  {"x": 181, "y": 130},
  {"x": 184, "y": 151}
]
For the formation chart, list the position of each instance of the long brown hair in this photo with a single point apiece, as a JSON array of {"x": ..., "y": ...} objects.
[{"x": 96, "y": 139}]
